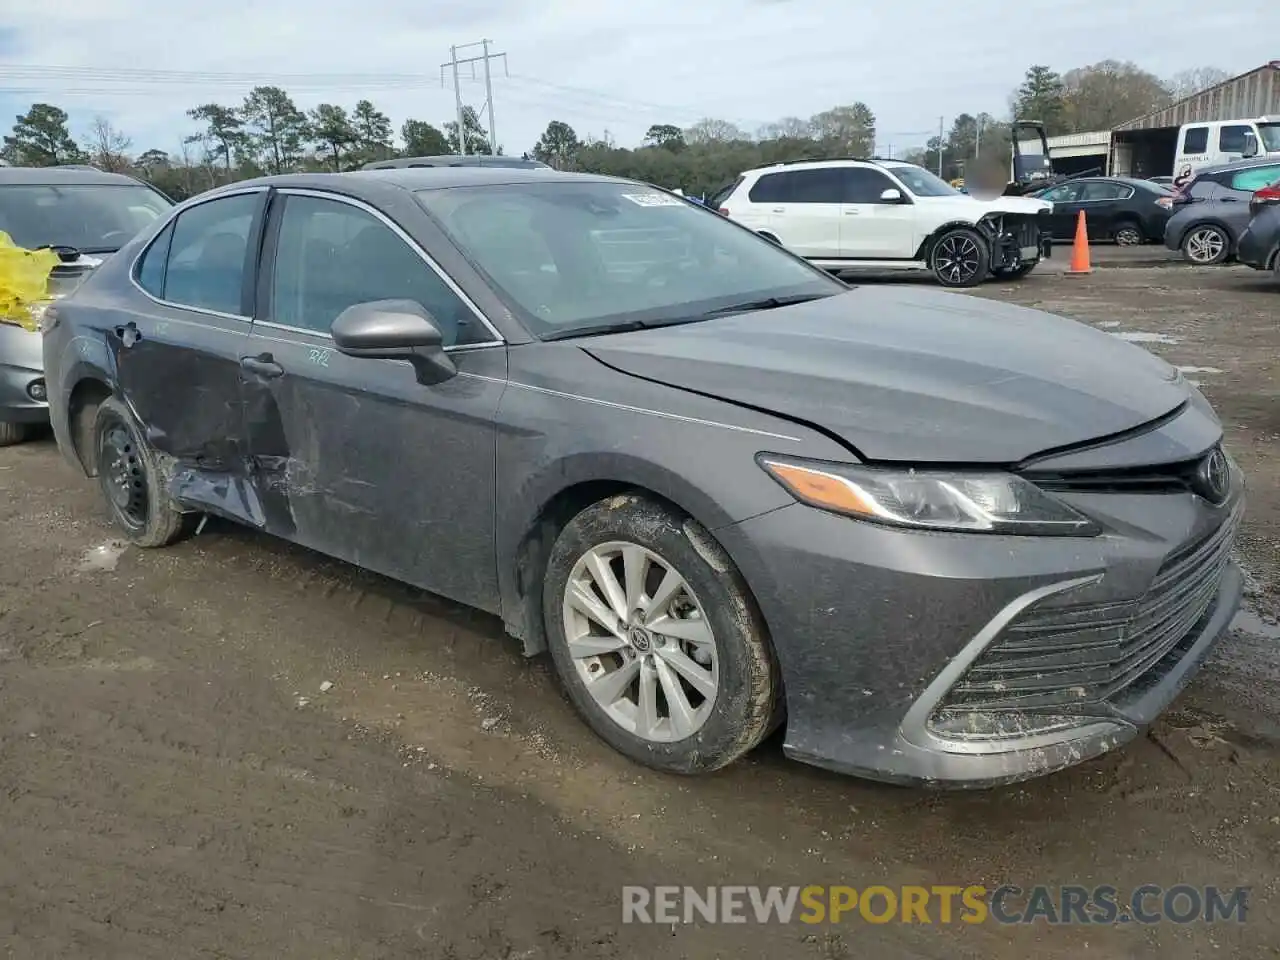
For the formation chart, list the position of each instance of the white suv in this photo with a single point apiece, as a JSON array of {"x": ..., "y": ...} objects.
[{"x": 887, "y": 214}]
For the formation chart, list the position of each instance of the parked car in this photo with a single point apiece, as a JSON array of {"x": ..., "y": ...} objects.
[
  {"x": 1212, "y": 210},
  {"x": 887, "y": 214},
  {"x": 85, "y": 215},
  {"x": 1123, "y": 209},
  {"x": 1162, "y": 181},
  {"x": 458, "y": 160},
  {"x": 942, "y": 539},
  {"x": 1260, "y": 242}
]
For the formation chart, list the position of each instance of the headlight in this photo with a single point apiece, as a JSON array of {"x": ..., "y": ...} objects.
[{"x": 962, "y": 501}]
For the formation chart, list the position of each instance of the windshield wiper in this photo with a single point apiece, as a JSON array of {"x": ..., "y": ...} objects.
[
  {"x": 764, "y": 303},
  {"x": 596, "y": 329}
]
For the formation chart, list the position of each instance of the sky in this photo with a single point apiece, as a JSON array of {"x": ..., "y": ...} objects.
[{"x": 606, "y": 65}]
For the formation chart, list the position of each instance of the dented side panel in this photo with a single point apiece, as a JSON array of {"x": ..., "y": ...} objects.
[{"x": 355, "y": 458}]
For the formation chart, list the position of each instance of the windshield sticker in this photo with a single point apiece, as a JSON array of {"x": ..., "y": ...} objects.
[{"x": 654, "y": 200}]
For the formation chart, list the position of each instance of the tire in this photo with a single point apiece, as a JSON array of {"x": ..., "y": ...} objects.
[
  {"x": 11, "y": 433},
  {"x": 736, "y": 667},
  {"x": 1128, "y": 233},
  {"x": 1015, "y": 273},
  {"x": 127, "y": 475},
  {"x": 960, "y": 258},
  {"x": 1206, "y": 244}
]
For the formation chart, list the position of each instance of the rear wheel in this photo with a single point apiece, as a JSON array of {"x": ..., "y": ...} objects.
[
  {"x": 1128, "y": 234},
  {"x": 1206, "y": 244},
  {"x": 11, "y": 433},
  {"x": 960, "y": 258},
  {"x": 131, "y": 483},
  {"x": 656, "y": 639}
]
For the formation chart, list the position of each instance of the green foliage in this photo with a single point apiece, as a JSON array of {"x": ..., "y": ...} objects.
[
  {"x": 332, "y": 130},
  {"x": 558, "y": 146},
  {"x": 422, "y": 139},
  {"x": 276, "y": 129},
  {"x": 477, "y": 140},
  {"x": 41, "y": 138}
]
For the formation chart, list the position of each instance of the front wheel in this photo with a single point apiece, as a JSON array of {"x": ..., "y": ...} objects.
[
  {"x": 131, "y": 482},
  {"x": 1206, "y": 244},
  {"x": 11, "y": 433},
  {"x": 656, "y": 639},
  {"x": 960, "y": 258}
]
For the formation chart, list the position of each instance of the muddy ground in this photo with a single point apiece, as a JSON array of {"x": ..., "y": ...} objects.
[{"x": 176, "y": 784}]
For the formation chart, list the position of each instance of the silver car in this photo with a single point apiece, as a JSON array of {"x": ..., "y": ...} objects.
[
  {"x": 1212, "y": 211},
  {"x": 85, "y": 215}
]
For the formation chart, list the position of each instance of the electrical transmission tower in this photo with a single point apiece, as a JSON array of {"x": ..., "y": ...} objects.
[{"x": 453, "y": 65}]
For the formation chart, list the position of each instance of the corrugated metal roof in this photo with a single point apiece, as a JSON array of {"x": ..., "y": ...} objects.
[
  {"x": 1252, "y": 94},
  {"x": 1094, "y": 138}
]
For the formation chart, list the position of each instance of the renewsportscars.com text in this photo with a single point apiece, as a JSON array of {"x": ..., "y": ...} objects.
[{"x": 974, "y": 904}]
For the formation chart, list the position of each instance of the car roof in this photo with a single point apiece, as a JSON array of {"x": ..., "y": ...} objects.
[
  {"x": 828, "y": 162},
  {"x": 1238, "y": 165},
  {"x": 55, "y": 176},
  {"x": 455, "y": 160}
]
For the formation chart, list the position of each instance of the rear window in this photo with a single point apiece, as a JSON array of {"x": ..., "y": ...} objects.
[
  {"x": 724, "y": 193},
  {"x": 1255, "y": 178}
]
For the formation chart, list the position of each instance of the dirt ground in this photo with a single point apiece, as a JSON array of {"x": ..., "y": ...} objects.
[{"x": 176, "y": 783}]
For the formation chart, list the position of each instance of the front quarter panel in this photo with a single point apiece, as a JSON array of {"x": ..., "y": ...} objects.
[{"x": 568, "y": 420}]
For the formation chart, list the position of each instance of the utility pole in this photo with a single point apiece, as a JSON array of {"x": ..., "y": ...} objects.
[
  {"x": 484, "y": 58},
  {"x": 977, "y": 143},
  {"x": 941, "y": 121}
]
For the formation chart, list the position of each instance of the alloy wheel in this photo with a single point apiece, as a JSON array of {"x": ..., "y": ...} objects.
[
  {"x": 640, "y": 642},
  {"x": 957, "y": 258},
  {"x": 1128, "y": 236},
  {"x": 1205, "y": 245}
]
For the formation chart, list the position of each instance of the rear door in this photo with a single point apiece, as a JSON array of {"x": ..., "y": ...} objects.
[
  {"x": 353, "y": 457},
  {"x": 1102, "y": 203},
  {"x": 806, "y": 215},
  {"x": 178, "y": 360}
]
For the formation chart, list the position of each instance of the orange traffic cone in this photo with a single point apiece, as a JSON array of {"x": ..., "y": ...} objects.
[{"x": 1080, "y": 250}]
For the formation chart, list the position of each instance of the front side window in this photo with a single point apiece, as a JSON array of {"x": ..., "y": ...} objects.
[
  {"x": 601, "y": 254},
  {"x": 922, "y": 183},
  {"x": 207, "y": 254},
  {"x": 92, "y": 218},
  {"x": 1270, "y": 135},
  {"x": 1067, "y": 193},
  {"x": 862, "y": 185},
  {"x": 332, "y": 255}
]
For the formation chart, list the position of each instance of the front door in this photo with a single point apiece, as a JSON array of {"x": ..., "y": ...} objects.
[
  {"x": 1066, "y": 209},
  {"x": 178, "y": 364},
  {"x": 353, "y": 457},
  {"x": 872, "y": 228}
]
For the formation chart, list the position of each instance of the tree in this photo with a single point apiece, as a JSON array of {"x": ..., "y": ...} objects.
[
  {"x": 788, "y": 128},
  {"x": 558, "y": 146},
  {"x": 1187, "y": 83},
  {"x": 1042, "y": 96},
  {"x": 711, "y": 130},
  {"x": 332, "y": 130},
  {"x": 849, "y": 131},
  {"x": 372, "y": 130},
  {"x": 151, "y": 161},
  {"x": 277, "y": 129},
  {"x": 665, "y": 135},
  {"x": 1103, "y": 95},
  {"x": 223, "y": 129},
  {"x": 40, "y": 138},
  {"x": 421, "y": 139},
  {"x": 476, "y": 139},
  {"x": 107, "y": 147}
]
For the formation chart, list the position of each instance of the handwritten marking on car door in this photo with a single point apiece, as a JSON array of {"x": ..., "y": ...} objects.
[{"x": 320, "y": 357}]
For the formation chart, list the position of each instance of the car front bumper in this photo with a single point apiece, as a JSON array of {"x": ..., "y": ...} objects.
[
  {"x": 22, "y": 385},
  {"x": 883, "y": 635}
]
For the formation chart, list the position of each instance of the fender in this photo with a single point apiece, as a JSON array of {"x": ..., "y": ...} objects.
[{"x": 922, "y": 252}]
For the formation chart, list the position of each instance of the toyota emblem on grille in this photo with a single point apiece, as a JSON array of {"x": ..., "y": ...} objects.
[{"x": 1213, "y": 477}]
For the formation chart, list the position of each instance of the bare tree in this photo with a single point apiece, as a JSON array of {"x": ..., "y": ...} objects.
[
  {"x": 107, "y": 147},
  {"x": 1187, "y": 83},
  {"x": 711, "y": 130}
]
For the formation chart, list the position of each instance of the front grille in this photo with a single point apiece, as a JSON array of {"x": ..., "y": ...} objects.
[{"x": 1066, "y": 656}]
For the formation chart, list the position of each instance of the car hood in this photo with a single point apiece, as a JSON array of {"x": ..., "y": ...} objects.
[
  {"x": 912, "y": 375},
  {"x": 979, "y": 207},
  {"x": 69, "y": 274}
]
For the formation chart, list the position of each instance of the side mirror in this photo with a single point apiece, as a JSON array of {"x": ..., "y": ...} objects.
[
  {"x": 892, "y": 195},
  {"x": 394, "y": 330},
  {"x": 1250, "y": 145}
]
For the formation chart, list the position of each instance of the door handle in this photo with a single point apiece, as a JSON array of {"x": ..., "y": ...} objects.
[
  {"x": 128, "y": 334},
  {"x": 778, "y": 210},
  {"x": 264, "y": 365},
  {"x": 853, "y": 213}
]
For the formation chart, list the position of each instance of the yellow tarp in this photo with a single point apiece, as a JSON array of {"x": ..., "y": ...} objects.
[{"x": 24, "y": 281}]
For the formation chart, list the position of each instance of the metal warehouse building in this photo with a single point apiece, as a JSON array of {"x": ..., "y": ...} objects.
[{"x": 1145, "y": 147}]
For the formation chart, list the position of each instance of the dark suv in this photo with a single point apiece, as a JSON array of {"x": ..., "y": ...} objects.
[
  {"x": 85, "y": 215},
  {"x": 1212, "y": 211}
]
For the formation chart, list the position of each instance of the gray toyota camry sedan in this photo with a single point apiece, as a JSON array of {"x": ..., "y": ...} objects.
[{"x": 939, "y": 539}]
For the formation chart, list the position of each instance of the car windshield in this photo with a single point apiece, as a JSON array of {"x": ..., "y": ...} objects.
[
  {"x": 922, "y": 183},
  {"x": 593, "y": 256},
  {"x": 93, "y": 218},
  {"x": 1270, "y": 133}
]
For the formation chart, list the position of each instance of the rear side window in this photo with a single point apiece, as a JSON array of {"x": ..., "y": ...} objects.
[
  {"x": 1196, "y": 140},
  {"x": 1255, "y": 178},
  {"x": 207, "y": 253},
  {"x": 1231, "y": 139},
  {"x": 817, "y": 186},
  {"x": 771, "y": 188}
]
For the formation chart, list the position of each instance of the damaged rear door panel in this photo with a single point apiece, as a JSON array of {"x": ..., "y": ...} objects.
[
  {"x": 354, "y": 457},
  {"x": 178, "y": 365}
]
